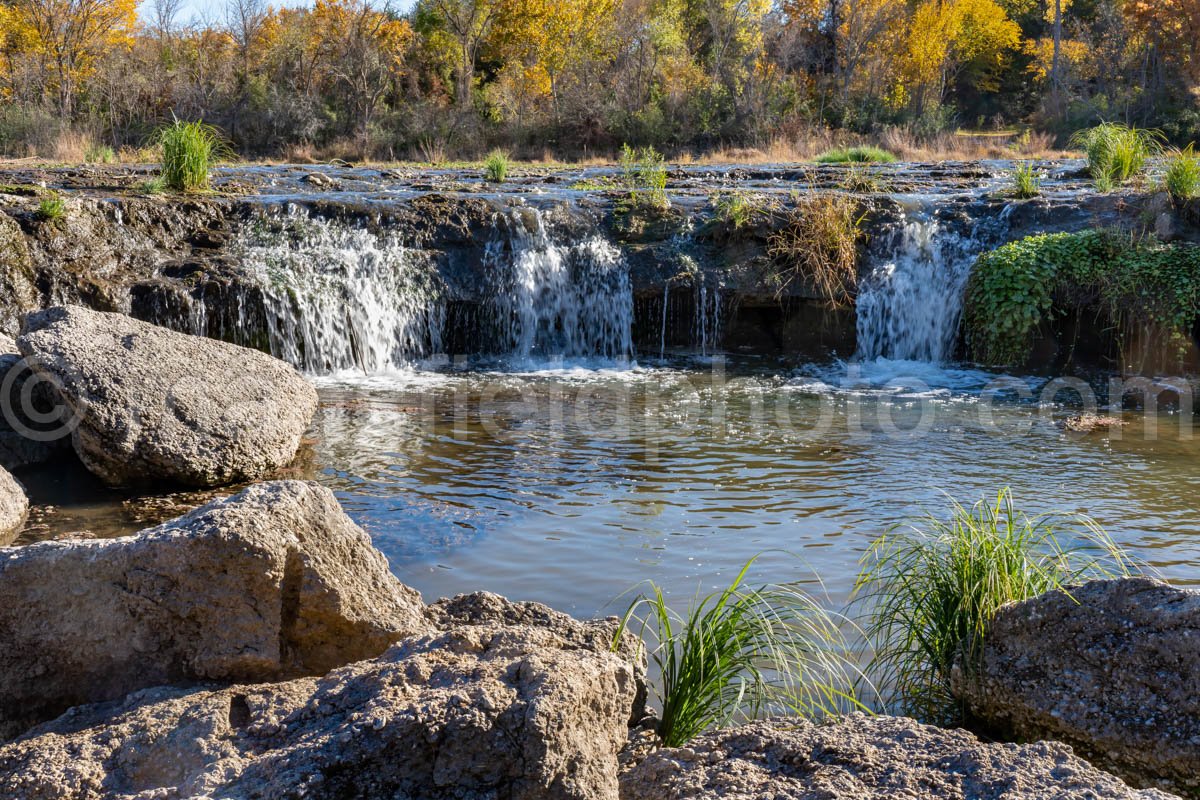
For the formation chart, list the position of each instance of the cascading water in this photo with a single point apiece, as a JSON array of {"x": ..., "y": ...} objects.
[
  {"x": 338, "y": 297},
  {"x": 559, "y": 299},
  {"x": 910, "y": 305}
]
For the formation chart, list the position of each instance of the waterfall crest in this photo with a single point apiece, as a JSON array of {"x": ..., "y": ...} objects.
[{"x": 910, "y": 304}]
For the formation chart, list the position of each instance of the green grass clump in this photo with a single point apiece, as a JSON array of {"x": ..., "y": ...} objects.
[
  {"x": 1182, "y": 177},
  {"x": 735, "y": 209},
  {"x": 1026, "y": 182},
  {"x": 1116, "y": 153},
  {"x": 52, "y": 209},
  {"x": 644, "y": 173},
  {"x": 100, "y": 154},
  {"x": 189, "y": 150},
  {"x": 1150, "y": 291},
  {"x": 742, "y": 652},
  {"x": 856, "y": 155},
  {"x": 933, "y": 587},
  {"x": 495, "y": 168},
  {"x": 153, "y": 186}
]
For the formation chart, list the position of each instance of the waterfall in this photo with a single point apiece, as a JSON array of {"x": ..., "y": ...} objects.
[
  {"x": 572, "y": 299},
  {"x": 339, "y": 297},
  {"x": 910, "y": 304}
]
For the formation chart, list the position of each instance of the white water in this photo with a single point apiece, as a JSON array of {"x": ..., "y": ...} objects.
[
  {"x": 557, "y": 299},
  {"x": 910, "y": 305},
  {"x": 342, "y": 300},
  {"x": 339, "y": 297}
]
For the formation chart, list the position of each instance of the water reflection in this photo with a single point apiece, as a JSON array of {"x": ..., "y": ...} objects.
[{"x": 569, "y": 486}]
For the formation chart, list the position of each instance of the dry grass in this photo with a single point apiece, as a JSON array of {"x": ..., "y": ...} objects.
[
  {"x": 72, "y": 146},
  {"x": 817, "y": 243}
]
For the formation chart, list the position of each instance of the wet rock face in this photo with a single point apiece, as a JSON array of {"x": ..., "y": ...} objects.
[
  {"x": 478, "y": 711},
  {"x": 866, "y": 758},
  {"x": 271, "y": 583},
  {"x": 152, "y": 405},
  {"x": 14, "y": 506},
  {"x": 1113, "y": 669}
]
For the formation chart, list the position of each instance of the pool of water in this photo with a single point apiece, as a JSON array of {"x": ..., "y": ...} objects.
[{"x": 571, "y": 483}]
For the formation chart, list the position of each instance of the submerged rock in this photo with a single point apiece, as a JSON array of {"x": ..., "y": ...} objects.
[
  {"x": 272, "y": 583},
  {"x": 152, "y": 405},
  {"x": 479, "y": 711},
  {"x": 1112, "y": 668},
  {"x": 864, "y": 758},
  {"x": 14, "y": 506}
]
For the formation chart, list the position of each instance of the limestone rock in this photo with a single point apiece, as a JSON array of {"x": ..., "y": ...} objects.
[
  {"x": 14, "y": 506},
  {"x": 271, "y": 583},
  {"x": 153, "y": 405},
  {"x": 598, "y": 635},
  {"x": 1112, "y": 668},
  {"x": 479, "y": 712},
  {"x": 866, "y": 758}
]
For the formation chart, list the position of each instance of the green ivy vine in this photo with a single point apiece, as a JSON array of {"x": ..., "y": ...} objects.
[{"x": 1137, "y": 282}]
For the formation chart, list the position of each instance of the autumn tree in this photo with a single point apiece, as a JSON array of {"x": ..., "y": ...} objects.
[{"x": 70, "y": 36}]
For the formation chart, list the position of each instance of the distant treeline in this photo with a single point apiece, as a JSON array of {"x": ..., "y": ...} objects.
[{"x": 454, "y": 78}]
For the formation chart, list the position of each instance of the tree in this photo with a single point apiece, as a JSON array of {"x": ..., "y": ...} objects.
[
  {"x": 362, "y": 50},
  {"x": 70, "y": 36},
  {"x": 469, "y": 22}
]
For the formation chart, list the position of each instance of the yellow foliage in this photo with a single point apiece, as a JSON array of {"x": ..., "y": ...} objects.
[
  {"x": 72, "y": 35},
  {"x": 946, "y": 34}
]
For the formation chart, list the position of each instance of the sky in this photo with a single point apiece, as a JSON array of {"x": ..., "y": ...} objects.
[{"x": 199, "y": 10}]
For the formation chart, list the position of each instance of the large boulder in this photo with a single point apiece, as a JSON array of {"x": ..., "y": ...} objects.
[
  {"x": 479, "y": 712},
  {"x": 152, "y": 405},
  {"x": 866, "y": 758},
  {"x": 14, "y": 506},
  {"x": 271, "y": 583},
  {"x": 1112, "y": 667}
]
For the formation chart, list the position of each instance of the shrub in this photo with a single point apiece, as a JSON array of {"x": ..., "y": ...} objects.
[
  {"x": 496, "y": 166},
  {"x": 100, "y": 154},
  {"x": 1182, "y": 176},
  {"x": 1116, "y": 153},
  {"x": 860, "y": 155},
  {"x": 817, "y": 241},
  {"x": 1140, "y": 284},
  {"x": 189, "y": 149},
  {"x": 932, "y": 588},
  {"x": 644, "y": 173},
  {"x": 1026, "y": 182},
  {"x": 52, "y": 209},
  {"x": 742, "y": 652}
]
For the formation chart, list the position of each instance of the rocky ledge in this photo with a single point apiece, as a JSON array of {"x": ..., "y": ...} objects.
[{"x": 866, "y": 758}]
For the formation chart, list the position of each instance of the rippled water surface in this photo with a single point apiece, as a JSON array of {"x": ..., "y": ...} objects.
[{"x": 569, "y": 485}]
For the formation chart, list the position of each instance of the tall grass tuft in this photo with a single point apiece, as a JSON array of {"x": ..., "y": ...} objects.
[
  {"x": 189, "y": 149},
  {"x": 1182, "y": 177},
  {"x": 1116, "y": 153},
  {"x": 644, "y": 173},
  {"x": 1025, "y": 180},
  {"x": 742, "y": 652},
  {"x": 931, "y": 589},
  {"x": 856, "y": 155},
  {"x": 495, "y": 168},
  {"x": 817, "y": 242}
]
